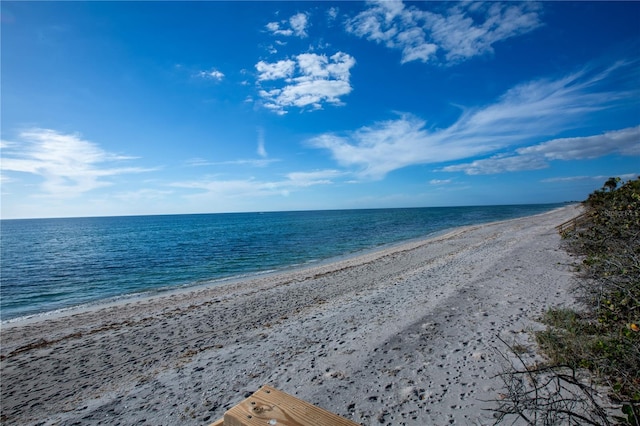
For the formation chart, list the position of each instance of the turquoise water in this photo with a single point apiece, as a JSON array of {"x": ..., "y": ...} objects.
[{"x": 50, "y": 264}]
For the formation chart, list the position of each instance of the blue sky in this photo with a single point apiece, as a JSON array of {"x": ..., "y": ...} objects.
[{"x": 121, "y": 108}]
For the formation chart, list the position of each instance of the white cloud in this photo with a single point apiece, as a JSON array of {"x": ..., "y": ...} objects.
[
  {"x": 68, "y": 164},
  {"x": 213, "y": 74},
  {"x": 440, "y": 181},
  {"x": 499, "y": 164},
  {"x": 464, "y": 33},
  {"x": 144, "y": 195},
  {"x": 570, "y": 179},
  {"x": 252, "y": 162},
  {"x": 262, "y": 152},
  {"x": 461, "y": 32},
  {"x": 274, "y": 28},
  {"x": 530, "y": 110},
  {"x": 227, "y": 188},
  {"x": 295, "y": 25},
  {"x": 243, "y": 188},
  {"x": 621, "y": 142},
  {"x": 332, "y": 14},
  {"x": 276, "y": 70},
  {"x": 299, "y": 24},
  {"x": 549, "y": 102},
  {"x": 309, "y": 81},
  {"x": 320, "y": 177},
  {"x": 600, "y": 178}
]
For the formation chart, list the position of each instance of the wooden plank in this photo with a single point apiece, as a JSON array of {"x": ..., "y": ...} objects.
[
  {"x": 572, "y": 223},
  {"x": 269, "y": 406},
  {"x": 219, "y": 422}
]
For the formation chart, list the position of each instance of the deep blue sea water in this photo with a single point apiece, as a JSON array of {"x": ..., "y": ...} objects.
[{"x": 51, "y": 264}]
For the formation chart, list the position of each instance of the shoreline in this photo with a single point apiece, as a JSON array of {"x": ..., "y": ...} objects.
[
  {"x": 213, "y": 283},
  {"x": 333, "y": 263},
  {"x": 32, "y": 313},
  {"x": 400, "y": 335}
]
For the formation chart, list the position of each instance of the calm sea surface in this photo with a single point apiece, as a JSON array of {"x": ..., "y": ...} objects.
[{"x": 51, "y": 264}]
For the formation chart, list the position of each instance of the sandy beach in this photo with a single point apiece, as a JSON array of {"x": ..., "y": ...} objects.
[{"x": 408, "y": 335}]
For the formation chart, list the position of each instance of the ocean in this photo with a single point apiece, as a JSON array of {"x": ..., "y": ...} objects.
[{"x": 52, "y": 264}]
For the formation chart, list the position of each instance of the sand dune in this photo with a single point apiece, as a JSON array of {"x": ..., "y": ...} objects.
[{"x": 406, "y": 335}]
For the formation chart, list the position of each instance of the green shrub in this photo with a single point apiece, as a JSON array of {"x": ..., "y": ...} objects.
[{"x": 606, "y": 337}]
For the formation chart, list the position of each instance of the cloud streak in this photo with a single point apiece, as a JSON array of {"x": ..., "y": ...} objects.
[
  {"x": 525, "y": 112},
  {"x": 625, "y": 142},
  {"x": 69, "y": 165},
  {"x": 621, "y": 142},
  {"x": 251, "y": 162},
  {"x": 243, "y": 188},
  {"x": 599, "y": 178},
  {"x": 261, "y": 151}
]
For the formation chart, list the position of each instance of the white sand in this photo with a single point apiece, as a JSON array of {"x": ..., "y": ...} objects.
[{"x": 407, "y": 335}]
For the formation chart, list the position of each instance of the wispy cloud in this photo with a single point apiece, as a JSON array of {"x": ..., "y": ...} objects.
[
  {"x": 598, "y": 178},
  {"x": 332, "y": 13},
  {"x": 261, "y": 151},
  {"x": 310, "y": 81},
  {"x": 144, "y": 195},
  {"x": 319, "y": 177},
  {"x": 251, "y": 162},
  {"x": 440, "y": 181},
  {"x": 296, "y": 25},
  {"x": 499, "y": 164},
  {"x": 68, "y": 164},
  {"x": 212, "y": 74},
  {"x": 527, "y": 111},
  {"x": 242, "y": 188},
  {"x": 462, "y": 31},
  {"x": 624, "y": 142}
]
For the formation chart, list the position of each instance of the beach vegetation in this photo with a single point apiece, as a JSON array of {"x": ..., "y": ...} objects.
[
  {"x": 603, "y": 336},
  {"x": 547, "y": 394}
]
